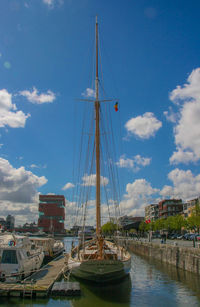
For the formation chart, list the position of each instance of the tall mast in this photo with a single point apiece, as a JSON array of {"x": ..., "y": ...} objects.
[{"x": 97, "y": 142}]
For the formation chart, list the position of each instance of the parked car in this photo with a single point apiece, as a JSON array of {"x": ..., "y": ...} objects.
[
  {"x": 197, "y": 237},
  {"x": 186, "y": 236},
  {"x": 174, "y": 236},
  {"x": 180, "y": 237}
]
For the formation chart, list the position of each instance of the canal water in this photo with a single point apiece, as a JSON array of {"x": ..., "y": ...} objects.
[{"x": 149, "y": 284}]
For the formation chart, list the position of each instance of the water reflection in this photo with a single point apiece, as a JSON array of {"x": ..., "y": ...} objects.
[
  {"x": 157, "y": 284},
  {"x": 190, "y": 280},
  {"x": 108, "y": 295}
]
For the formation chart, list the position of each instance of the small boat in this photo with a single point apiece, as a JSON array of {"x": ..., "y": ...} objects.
[
  {"x": 51, "y": 247},
  {"x": 98, "y": 260},
  {"x": 18, "y": 257}
]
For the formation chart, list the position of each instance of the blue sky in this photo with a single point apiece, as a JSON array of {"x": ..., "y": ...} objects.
[{"x": 150, "y": 58}]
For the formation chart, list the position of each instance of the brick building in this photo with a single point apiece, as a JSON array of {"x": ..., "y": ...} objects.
[
  {"x": 170, "y": 207},
  {"x": 51, "y": 213}
]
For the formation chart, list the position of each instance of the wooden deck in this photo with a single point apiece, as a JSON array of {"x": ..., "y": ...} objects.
[{"x": 39, "y": 283}]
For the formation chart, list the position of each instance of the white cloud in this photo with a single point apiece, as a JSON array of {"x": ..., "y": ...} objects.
[
  {"x": 91, "y": 180},
  {"x": 139, "y": 194},
  {"x": 89, "y": 92},
  {"x": 9, "y": 116},
  {"x": 48, "y": 2},
  {"x": 34, "y": 97},
  {"x": 18, "y": 192},
  {"x": 181, "y": 156},
  {"x": 68, "y": 185},
  {"x": 185, "y": 185},
  {"x": 7, "y": 65},
  {"x": 143, "y": 126},
  {"x": 135, "y": 163},
  {"x": 34, "y": 166},
  {"x": 37, "y": 166},
  {"x": 190, "y": 90},
  {"x": 187, "y": 130},
  {"x": 18, "y": 185},
  {"x": 171, "y": 116},
  {"x": 51, "y": 3}
]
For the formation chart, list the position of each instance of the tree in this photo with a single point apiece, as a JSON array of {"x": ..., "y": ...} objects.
[
  {"x": 143, "y": 226},
  {"x": 159, "y": 224},
  {"x": 179, "y": 222},
  {"x": 194, "y": 219},
  {"x": 109, "y": 228}
]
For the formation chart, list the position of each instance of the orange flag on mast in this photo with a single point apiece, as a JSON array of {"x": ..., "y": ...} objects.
[{"x": 116, "y": 106}]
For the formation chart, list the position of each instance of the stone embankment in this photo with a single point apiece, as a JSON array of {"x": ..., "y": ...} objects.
[{"x": 186, "y": 258}]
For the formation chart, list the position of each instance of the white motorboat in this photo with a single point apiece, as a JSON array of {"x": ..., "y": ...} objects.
[
  {"x": 18, "y": 257},
  {"x": 51, "y": 247}
]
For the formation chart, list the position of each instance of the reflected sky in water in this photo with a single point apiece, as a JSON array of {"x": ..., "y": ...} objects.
[{"x": 150, "y": 284}]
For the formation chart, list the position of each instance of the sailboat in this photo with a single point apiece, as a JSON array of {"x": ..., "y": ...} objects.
[{"x": 98, "y": 260}]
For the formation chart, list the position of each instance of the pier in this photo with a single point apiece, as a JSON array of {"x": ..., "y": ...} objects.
[{"x": 39, "y": 283}]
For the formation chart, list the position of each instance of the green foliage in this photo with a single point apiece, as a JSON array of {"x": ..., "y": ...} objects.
[
  {"x": 143, "y": 226},
  {"x": 159, "y": 224},
  {"x": 194, "y": 219},
  {"x": 171, "y": 223},
  {"x": 132, "y": 230},
  {"x": 109, "y": 228}
]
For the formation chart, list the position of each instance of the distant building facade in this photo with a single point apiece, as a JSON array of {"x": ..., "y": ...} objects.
[
  {"x": 27, "y": 227},
  {"x": 2, "y": 223},
  {"x": 10, "y": 223},
  {"x": 130, "y": 222},
  {"x": 151, "y": 212},
  {"x": 170, "y": 207},
  {"x": 75, "y": 229},
  {"x": 189, "y": 206},
  {"x": 51, "y": 213}
]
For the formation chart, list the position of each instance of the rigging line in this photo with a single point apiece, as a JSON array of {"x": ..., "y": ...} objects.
[
  {"x": 116, "y": 171},
  {"x": 87, "y": 160},
  {"x": 108, "y": 57},
  {"x": 101, "y": 82},
  {"x": 105, "y": 189},
  {"x": 85, "y": 191},
  {"x": 88, "y": 191},
  {"x": 107, "y": 142},
  {"x": 79, "y": 162},
  {"x": 111, "y": 169},
  {"x": 89, "y": 52},
  {"x": 111, "y": 128},
  {"x": 110, "y": 172}
]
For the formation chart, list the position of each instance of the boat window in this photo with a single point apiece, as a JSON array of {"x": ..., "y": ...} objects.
[{"x": 9, "y": 256}]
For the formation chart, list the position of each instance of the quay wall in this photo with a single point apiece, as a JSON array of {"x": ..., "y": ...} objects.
[{"x": 182, "y": 257}]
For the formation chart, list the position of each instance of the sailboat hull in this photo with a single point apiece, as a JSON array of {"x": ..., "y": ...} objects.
[{"x": 101, "y": 271}]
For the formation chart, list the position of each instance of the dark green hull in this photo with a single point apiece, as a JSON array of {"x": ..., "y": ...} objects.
[{"x": 100, "y": 271}]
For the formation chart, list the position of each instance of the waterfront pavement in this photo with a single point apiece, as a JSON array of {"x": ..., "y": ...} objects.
[{"x": 181, "y": 243}]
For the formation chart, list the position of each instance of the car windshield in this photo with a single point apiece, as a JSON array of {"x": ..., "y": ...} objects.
[{"x": 9, "y": 256}]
